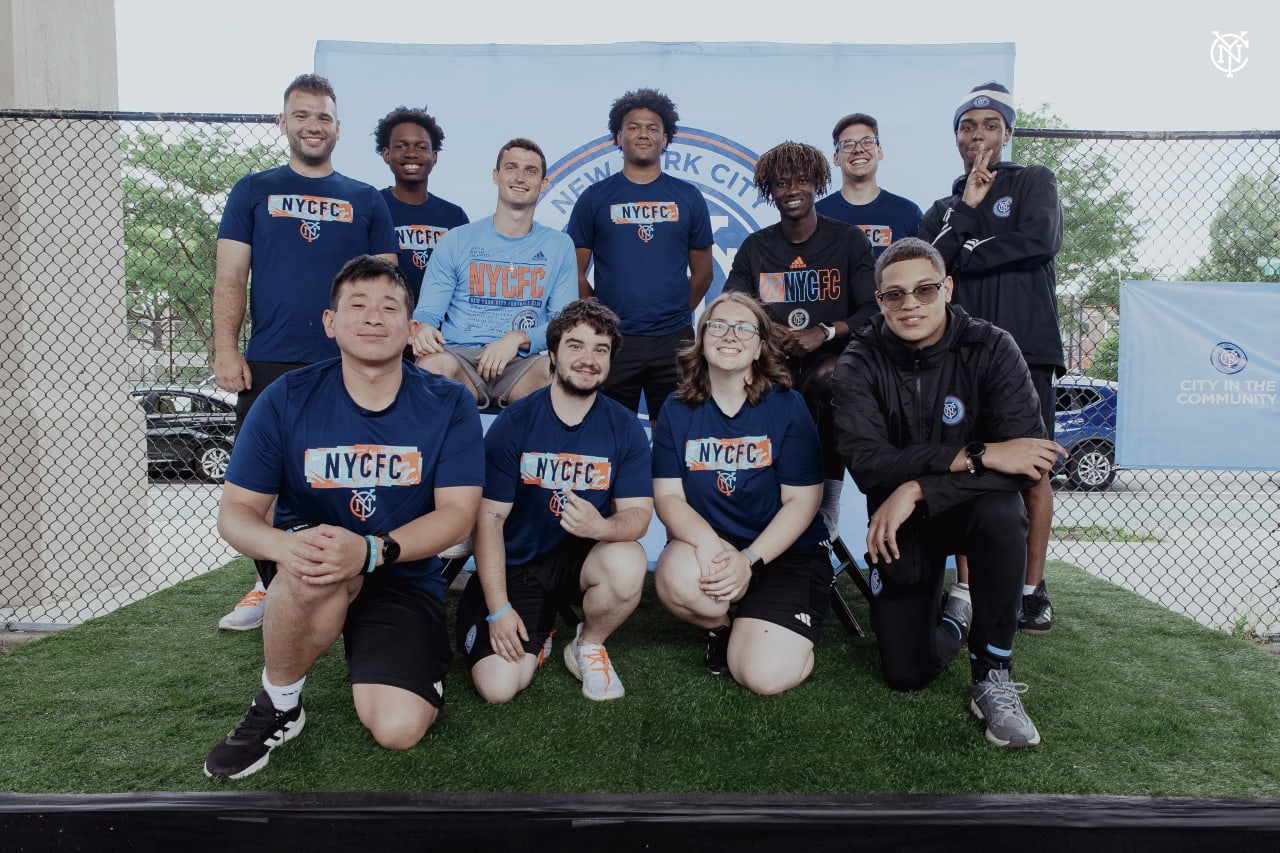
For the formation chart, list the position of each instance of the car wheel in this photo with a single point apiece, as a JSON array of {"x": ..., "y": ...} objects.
[
  {"x": 211, "y": 464},
  {"x": 1092, "y": 467}
]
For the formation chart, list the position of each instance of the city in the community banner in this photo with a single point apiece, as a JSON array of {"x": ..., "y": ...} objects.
[
  {"x": 736, "y": 100},
  {"x": 1199, "y": 375}
]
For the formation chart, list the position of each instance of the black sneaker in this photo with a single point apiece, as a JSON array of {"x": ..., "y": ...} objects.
[
  {"x": 717, "y": 657},
  {"x": 245, "y": 751},
  {"x": 1036, "y": 615}
]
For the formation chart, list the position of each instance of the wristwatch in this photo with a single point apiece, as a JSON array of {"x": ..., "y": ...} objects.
[
  {"x": 754, "y": 559},
  {"x": 973, "y": 455},
  {"x": 830, "y": 331},
  {"x": 390, "y": 547}
]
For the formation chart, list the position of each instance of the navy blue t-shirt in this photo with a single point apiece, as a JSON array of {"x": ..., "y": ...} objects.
[
  {"x": 532, "y": 458},
  {"x": 890, "y": 217},
  {"x": 330, "y": 461},
  {"x": 733, "y": 468},
  {"x": 418, "y": 228}
]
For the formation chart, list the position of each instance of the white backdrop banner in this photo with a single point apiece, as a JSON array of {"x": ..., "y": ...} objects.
[
  {"x": 1199, "y": 376},
  {"x": 735, "y": 101}
]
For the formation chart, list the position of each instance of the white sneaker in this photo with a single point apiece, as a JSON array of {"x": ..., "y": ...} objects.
[
  {"x": 458, "y": 552},
  {"x": 590, "y": 664},
  {"x": 246, "y": 615}
]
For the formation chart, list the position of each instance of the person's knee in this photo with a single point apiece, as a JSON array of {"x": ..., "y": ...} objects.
[
  {"x": 620, "y": 566},
  {"x": 498, "y": 681},
  {"x": 998, "y": 517},
  {"x": 398, "y": 726},
  {"x": 766, "y": 679},
  {"x": 906, "y": 678},
  {"x": 496, "y": 691}
]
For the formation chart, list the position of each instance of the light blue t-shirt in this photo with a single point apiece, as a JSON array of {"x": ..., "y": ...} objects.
[{"x": 481, "y": 285}]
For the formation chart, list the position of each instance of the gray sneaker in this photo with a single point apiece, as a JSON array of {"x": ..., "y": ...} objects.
[
  {"x": 957, "y": 611},
  {"x": 995, "y": 700}
]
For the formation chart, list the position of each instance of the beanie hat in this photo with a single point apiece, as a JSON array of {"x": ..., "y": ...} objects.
[{"x": 988, "y": 96}]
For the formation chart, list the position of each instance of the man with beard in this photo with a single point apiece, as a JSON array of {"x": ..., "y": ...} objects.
[
  {"x": 291, "y": 228},
  {"x": 493, "y": 285},
  {"x": 409, "y": 142},
  {"x": 567, "y": 494},
  {"x": 816, "y": 280}
]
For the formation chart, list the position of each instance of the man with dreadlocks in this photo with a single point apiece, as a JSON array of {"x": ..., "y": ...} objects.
[{"x": 816, "y": 279}]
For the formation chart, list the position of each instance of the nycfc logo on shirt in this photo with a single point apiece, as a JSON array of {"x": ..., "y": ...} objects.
[
  {"x": 726, "y": 481},
  {"x": 362, "y": 468},
  {"x": 952, "y": 411},
  {"x": 728, "y": 456},
  {"x": 803, "y": 285},
  {"x": 645, "y": 214},
  {"x": 1003, "y": 207},
  {"x": 558, "y": 500},
  {"x": 312, "y": 210},
  {"x": 798, "y": 319},
  {"x": 363, "y": 503},
  {"x": 524, "y": 320},
  {"x": 721, "y": 168},
  {"x": 420, "y": 258},
  {"x": 879, "y": 235},
  {"x": 566, "y": 471}
]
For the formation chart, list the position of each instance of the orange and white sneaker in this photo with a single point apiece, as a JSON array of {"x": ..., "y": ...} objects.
[
  {"x": 545, "y": 652},
  {"x": 590, "y": 664},
  {"x": 248, "y": 614}
]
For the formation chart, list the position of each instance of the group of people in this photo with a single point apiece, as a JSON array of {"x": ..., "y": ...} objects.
[{"x": 839, "y": 343}]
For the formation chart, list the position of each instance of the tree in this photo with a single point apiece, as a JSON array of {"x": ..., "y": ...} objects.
[
  {"x": 1100, "y": 234},
  {"x": 1244, "y": 236},
  {"x": 175, "y": 186}
]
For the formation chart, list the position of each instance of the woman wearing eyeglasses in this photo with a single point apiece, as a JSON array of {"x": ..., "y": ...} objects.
[{"x": 737, "y": 481}]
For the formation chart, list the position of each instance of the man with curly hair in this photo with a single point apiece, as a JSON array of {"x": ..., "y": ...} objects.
[
  {"x": 409, "y": 142},
  {"x": 649, "y": 236},
  {"x": 815, "y": 277}
]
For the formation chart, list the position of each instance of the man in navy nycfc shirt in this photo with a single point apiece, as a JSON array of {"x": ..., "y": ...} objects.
[
  {"x": 288, "y": 230},
  {"x": 380, "y": 465},
  {"x": 409, "y": 142},
  {"x": 649, "y": 235},
  {"x": 860, "y": 201},
  {"x": 567, "y": 494}
]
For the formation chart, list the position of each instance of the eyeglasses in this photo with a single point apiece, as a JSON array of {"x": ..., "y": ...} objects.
[
  {"x": 867, "y": 142},
  {"x": 925, "y": 294},
  {"x": 742, "y": 331}
]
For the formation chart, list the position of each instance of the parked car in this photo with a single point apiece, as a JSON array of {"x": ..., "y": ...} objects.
[
  {"x": 189, "y": 428},
  {"x": 1085, "y": 424}
]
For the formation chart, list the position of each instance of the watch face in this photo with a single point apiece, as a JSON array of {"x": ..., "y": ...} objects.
[
  {"x": 976, "y": 448},
  {"x": 390, "y": 549}
]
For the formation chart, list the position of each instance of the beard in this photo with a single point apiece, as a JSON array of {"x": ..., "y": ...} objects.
[{"x": 564, "y": 379}]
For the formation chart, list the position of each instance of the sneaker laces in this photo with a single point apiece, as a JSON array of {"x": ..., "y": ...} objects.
[
  {"x": 253, "y": 598},
  {"x": 1004, "y": 697},
  {"x": 599, "y": 657},
  {"x": 256, "y": 720}
]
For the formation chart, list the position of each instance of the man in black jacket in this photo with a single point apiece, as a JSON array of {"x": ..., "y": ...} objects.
[
  {"x": 998, "y": 232},
  {"x": 940, "y": 426}
]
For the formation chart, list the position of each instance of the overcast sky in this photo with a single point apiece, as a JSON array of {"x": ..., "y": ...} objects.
[{"x": 1100, "y": 64}]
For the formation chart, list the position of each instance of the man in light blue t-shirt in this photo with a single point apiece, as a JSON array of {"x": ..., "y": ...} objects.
[{"x": 493, "y": 285}]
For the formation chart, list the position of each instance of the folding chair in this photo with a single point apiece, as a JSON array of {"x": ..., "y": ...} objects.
[{"x": 843, "y": 561}]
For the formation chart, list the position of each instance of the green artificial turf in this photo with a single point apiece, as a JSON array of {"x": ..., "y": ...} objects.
[{"x": 1129, "y": 698}]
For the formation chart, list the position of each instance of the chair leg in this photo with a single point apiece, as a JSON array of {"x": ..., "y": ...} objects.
[{"x": 844, "y": 563}]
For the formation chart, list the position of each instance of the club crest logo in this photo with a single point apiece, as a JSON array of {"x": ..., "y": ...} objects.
[
  {"x": 524, "y": 320},
  {"x": 558, "y": 500},
  {"x": 721, "y": 169},
  {"x": 981, "y": 101},
  {"x": 363, "y": 503},
  {"x": 1228, "y": 358},
  {"x": 798, "y": 319},
  {"x": 952, "y": 410},
  {"x": 310, "y": 231},
  {"x": 420, "y": 258},
  {"x": 1003, "y": 207},
  {"x": 726, "y": 482},
  {"x": 877, "y": 585}
]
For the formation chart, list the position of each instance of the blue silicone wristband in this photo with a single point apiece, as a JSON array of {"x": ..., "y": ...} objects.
[
  {"x": 494, "y": 617},
  {"x": 372, "y": 558}
]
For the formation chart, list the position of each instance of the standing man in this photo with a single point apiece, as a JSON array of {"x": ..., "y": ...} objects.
[
  {"x": 940, "y": 426},
  {"x": 816, "y": 280},
  {"x": 380, "y": 464},
  {"x": 882, "y": 216},
  {"x": 291, "y": 229},
  {"x": 492, "y": 287},
  {"x": 649, "y": 235},
  {"x": 567, "y": 494},
  {"x": 998, "y": 232},
  {"x": 409, "y": 142}
]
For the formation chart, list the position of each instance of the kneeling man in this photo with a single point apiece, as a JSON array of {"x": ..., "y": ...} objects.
[
  {"x": 939, "y": 423},
  {"x": 374, "y": 465},
  {"x": 567, "y": 494}
]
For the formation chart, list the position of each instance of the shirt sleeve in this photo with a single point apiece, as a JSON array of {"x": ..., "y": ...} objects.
[
  {"x": 461, "y": 461},
  {"x": 438, "y": 281},
  {"x": 800, "y": 463},
  {"x": 501, "y": 459},
  {"x": 666, "y": 461},
  {"x": 563, "y": 280},
  {"x": 581, "y": 227},
  {"x": 740, "y": 276},
  {"x": 700, "y": 235},
  {"x": 382, "y": 231},
  {"x": 257, "y": 459},
  {"x": 237, "y": 216},
  {"x": 635, "y": 465}
]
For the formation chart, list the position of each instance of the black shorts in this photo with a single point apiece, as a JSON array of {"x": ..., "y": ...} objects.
[
  {"x": 537, "y": 591},
  {"x": 263, "y": 373},
  {"x": 793, "y": 591},
  {"x": 396, "y": 634}
]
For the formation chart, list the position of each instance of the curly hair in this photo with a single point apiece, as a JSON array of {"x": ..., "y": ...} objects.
[
  {"x": 644, "y": 99},
  {"x": 400, "y": 115},
  {"x": 593, "y": 313},
  {"x": 313, "y": 84},
  {"x": 768, "y": 370},
  {"x": 854, "y": 118},
  {"x": 795, "y": 159}
]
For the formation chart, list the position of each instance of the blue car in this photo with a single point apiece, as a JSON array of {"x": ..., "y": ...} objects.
[{"x": 1085, "y": 424}]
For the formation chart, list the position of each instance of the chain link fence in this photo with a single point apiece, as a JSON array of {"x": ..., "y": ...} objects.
[{"x": 139, "y": 400}]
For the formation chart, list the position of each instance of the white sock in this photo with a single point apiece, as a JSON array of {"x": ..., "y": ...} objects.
[
  {"x": 830, "y": 509},
  {"x": 259, "y": 587},
  {"x": 1028, "y": 588},
  {"x": 283, "y": 698},
  {"x": 963, "y": 586}
]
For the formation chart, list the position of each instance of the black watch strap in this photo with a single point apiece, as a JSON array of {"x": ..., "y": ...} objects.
[{"x": 390, "y": 547}]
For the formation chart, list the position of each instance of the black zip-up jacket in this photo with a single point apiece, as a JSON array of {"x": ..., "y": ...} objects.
[
  {"x": 886, "y": 401},
  {"x": 1001, "y": 253}
]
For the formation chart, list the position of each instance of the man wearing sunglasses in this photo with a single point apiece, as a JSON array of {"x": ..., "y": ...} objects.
[
  {"x": 882, "y": 216},
  {"x": 999, "y": 232},
  {"x": 814, "y": 276},
  {"x": 939, "y": 423}
]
